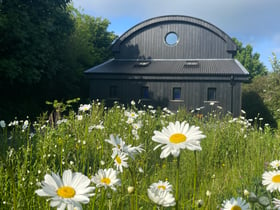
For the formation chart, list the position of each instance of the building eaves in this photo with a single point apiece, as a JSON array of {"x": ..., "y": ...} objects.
[{"x": 171, "y": 67}]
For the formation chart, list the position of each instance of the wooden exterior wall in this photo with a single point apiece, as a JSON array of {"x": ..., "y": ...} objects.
[
  {"x": 194, "y": 42},
  {"x": 193, "y": 93}
]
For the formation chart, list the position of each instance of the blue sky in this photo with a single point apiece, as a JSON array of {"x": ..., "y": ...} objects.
[{"x": 255, "y": 22}]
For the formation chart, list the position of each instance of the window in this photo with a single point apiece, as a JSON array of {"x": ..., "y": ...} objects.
[
  {"x": 145, "y": 92},
  {"x": 171, "y": 39},
  {"x": 211, "y": 94},
  {"x": 113, "y": 91},
  {"x": 176, "y": 93}
]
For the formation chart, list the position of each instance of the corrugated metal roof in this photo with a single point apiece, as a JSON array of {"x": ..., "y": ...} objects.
[{"x": 171, "y": 67}]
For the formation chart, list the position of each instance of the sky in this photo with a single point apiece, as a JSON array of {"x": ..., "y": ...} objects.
[{"x": 254, "y": 22}]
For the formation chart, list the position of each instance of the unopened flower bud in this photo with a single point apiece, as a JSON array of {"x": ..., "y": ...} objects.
[
  {"x": 246, "y": 192},
  {"x": 130, "y": 189}
]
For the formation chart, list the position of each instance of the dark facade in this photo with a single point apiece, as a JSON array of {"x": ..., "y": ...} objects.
[{"x": 172, "y": 61}]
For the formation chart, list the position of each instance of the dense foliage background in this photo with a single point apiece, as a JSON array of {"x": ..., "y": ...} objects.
[{"x": 45, "y": 47}]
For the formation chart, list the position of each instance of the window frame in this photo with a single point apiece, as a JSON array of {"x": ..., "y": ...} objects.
[
  {"x": 145, "y": 92},
  {"x": 174, "y": 97},
  {"x": 211, "y": 94}
]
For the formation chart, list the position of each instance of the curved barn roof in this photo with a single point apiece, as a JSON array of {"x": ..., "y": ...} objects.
[{"x": 231, "y": 46}]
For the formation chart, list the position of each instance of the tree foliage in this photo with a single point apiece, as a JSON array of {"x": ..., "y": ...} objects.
[
  {"x": 262, "y": 95},
  {"x": 32, "y": 34},
  {"x": 45, "y": 47},
  {"x": 251, "y": 61},
  {"x": 275, "y": 63}
]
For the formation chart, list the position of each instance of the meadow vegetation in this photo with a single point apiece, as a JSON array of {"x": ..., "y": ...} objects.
[{"x": 235, "y": 154}]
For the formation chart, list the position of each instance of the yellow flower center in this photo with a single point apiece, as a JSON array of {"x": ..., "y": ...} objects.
[
  {"x": 276, "y": 178},
  {"x": 119, "y": 160},
  {"x": 177, "y": 138},
  {"x": 236, "y": 208},
  {"x": 161, "y": 187},
  {"x": 66, "y": 192},
  {"x": 106, "y": 180}
]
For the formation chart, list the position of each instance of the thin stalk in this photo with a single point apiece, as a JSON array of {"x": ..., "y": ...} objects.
[
  {"x": 177, "y": 183},
  {"x": 194, "y": 179},
  {"x": 103, "y": 199},
  {"x": 134, "y": 196}
]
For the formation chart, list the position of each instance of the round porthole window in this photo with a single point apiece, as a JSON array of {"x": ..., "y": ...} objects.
[{"x": 171, "y": 39}]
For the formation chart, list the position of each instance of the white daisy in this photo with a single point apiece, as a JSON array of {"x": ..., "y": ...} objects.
[
  {"x": 133, "y": 115},
  {"x": 69, "y": 192},
  {"x": 160, "y": 185},
  {"x": 161, "y": 197},
  {"x": 116, "y": 141},
  {"x": 276, "y": 203},
  {"x": 121, "y": 161},
  {"x": 178, "y": 136},
  {"x": 106, "y": 178},
  {"x": 272, "y": 180},
  {"x": 120, "y": 146},
  {"x": 275, "y": 164},
  {"x": 84, "y": 107},
  {"x": 137, "y": 125},
  {"x": 132, "y": 151},
  {"x": 235, "y": 204}
]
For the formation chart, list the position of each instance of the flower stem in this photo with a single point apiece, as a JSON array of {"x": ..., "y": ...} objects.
[
  {"x": 177, "y": 183},
  {"x": 194, "y": 179},
  {"x": 134, "y": 196}
]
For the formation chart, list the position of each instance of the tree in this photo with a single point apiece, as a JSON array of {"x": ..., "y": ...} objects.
[
  {"x": 32, "y": 34},
  {"x": 45, "y": 47},
  {"x": 250, "y": 60},
  {"x": 275, "y": 63},
  {"x": 88, "y": 45}
]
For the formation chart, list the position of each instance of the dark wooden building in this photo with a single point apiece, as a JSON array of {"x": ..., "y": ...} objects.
[{"x": 172, "y": 61}]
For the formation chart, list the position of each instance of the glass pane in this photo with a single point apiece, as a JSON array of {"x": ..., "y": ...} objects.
[
  {"x": 176, "y": 93},
  {"x": 144, "y": 92},
  {"x": 171, "y": 38},
  {"x": 211, "y": 94}
]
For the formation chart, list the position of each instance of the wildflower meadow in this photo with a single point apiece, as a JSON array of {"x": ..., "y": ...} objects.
[{"x": 133, "y": 158}]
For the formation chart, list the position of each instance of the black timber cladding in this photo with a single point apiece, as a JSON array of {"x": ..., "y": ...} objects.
[
  {"x": 197, "y": 39},
  {"x": 200, "y": 59}
]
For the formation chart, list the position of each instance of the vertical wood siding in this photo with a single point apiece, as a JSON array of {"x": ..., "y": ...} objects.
[
  {"x": 193, "y": 93},
  {"x": 195, "y": 42}
]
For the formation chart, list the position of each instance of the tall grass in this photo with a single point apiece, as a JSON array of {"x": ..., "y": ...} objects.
[{"x": 234, "y": 156}]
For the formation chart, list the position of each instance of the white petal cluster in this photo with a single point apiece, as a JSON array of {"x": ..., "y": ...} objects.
[
  {"x": 276, "y": 203},
  {"x": 160, "y": 196},
  {"x": 178, "y": 136},
  {"x": 121, "y": 147},
  {"x": 106, "y": 178},
  {"x": 121, "y": 161},
  {"x": 271, "y": 179},
  {"x": 275, "y": 164},
  {"x": 233, "y": 203},
  {"x": 84, "y": 107},
  {"x": 69, "y": 191},
  {"x": 160, "y": 185}
]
